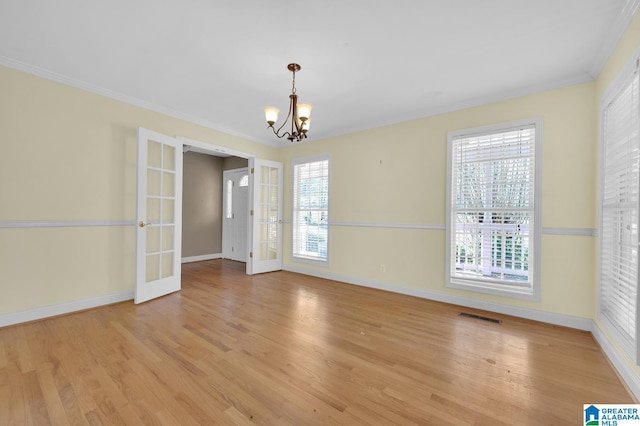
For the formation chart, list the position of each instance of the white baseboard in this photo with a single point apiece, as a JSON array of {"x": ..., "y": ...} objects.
[
  {"x": 201, "y": 257},
  {"x": 625, "y": 371},
  {"x": 517, "y": 311},
  {"x": 34, "y": 314}
]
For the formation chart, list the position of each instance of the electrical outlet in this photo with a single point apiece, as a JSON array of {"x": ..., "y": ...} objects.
[{"x": 383, "y": 267}]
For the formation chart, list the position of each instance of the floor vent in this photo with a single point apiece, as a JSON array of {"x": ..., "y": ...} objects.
[{"x": 480, "y": 317}]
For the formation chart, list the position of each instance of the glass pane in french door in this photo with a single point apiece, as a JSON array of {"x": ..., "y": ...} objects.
[
  {"x": 268, "y": 210},
  {"x": 161, "y": 195}
]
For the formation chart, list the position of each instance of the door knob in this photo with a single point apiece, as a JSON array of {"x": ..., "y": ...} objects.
[{"x": 142, "y": 224}]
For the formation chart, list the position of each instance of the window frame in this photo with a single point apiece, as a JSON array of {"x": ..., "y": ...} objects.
[
  {"x": 297, "y": 162},
  {"x": 630, "y": 344},
  {"x": 499, "y": 287}
]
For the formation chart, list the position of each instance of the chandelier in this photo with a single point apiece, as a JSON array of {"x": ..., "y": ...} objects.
[{"x": 298, "y": 112}]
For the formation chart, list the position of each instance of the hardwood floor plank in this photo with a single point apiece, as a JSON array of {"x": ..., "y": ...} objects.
[
  {"x": 15, "y": 408},
  {"x": 71, "y": 405},
  {"x": 82, "y": 386},
  {"x": 5, "y": 398},
  {"x": 93, "y": 418},
  {"x": 24, "y": 354},
  {"x": 294, "y": 403},
  {"x": 149, "y": 377},
  {"x": 235, "y": 387},
  {"x": 288, "y": 349},
  {"x": 3, "y": 356},
  {"x": 237, "y": 418},
  {"x": 165, "y": 418},
  {"x": 51, "y": 396},
  {"x": 34, "y": 399},
  {"x": 135, "y": 348}
]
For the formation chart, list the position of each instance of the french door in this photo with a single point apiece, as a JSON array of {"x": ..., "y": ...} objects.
[
  {"x": 159, "y": 215},
  {"x": 266, "y": 216}
]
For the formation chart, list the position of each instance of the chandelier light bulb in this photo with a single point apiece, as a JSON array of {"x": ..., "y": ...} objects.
[
  {"x": 271, "y": 114},
  {"x": 304, "y": 111}
]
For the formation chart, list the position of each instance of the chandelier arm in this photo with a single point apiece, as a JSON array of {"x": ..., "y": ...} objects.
[
  {"x": 287, "y": 134},
  {"x": 288, "y": 114},
  {"x": 294, "y": 118}
]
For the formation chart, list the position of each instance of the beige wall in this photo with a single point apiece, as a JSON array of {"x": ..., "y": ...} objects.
[
  {"x": 201, "y": 204},
  {"x": 70, "y": 155},
  {"x": 397, "y": 175},
  {"x": 231, "y": 163}
]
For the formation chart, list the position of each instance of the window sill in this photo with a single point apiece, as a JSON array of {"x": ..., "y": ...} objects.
[
  {"x": 310, "y": 261},
  {"x": 503, "y": 290}
]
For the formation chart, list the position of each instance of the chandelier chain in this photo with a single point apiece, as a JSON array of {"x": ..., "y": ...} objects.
[{"x": 293, "y": 83}]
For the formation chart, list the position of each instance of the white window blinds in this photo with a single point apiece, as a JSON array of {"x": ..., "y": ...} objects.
[
  {"x": 311, "y": 209},
  {"x": 618, "y": 296},
  {"x": 491, "y": 223}
]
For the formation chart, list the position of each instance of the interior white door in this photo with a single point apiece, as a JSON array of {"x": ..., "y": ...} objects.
[
  {"x": 266, "y": 218},
  {"x": 236, "y": 209},
  {"x": 159, "y": 215}
]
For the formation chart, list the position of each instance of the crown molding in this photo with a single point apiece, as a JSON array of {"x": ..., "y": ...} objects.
[
  {"x": 615, "y": 34},
  {"x": 91, "y": 88},
  {"x": 464, "y": 104}
]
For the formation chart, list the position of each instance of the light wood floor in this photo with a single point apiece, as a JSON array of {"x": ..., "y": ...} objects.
[{"x": 288, "y": 349}]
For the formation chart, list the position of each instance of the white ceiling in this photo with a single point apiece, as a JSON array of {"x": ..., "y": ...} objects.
[{"x": 365, "y": 63}]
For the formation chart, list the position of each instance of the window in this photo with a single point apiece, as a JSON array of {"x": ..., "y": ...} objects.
[
  {"x": 311, "y": 208},
  {"x": 229, "y": 212},
  {"x": 492, "y": 209},
  {"x": 618, "y": 257},
  {"x": 244, "y": 181}
]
